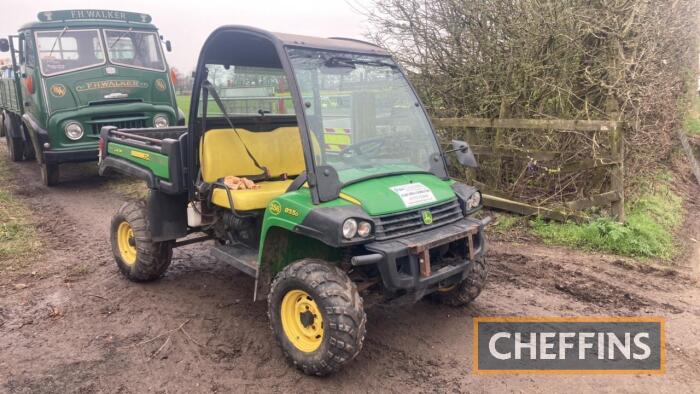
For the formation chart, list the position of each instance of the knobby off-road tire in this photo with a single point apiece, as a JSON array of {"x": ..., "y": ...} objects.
[
  {"x": 317, "y": 316},
  {"x": 138, "y": 257},
  {"x": 466, "y": 291}
]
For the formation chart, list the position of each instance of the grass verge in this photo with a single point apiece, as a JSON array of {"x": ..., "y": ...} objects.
[
  {"x": 128, "y": 187},
  {"x": 18, "y": 237},
  {"x": 652, "y": 219},
  {"x": 691, "y": 118},
  {"x": 183, "y": 102}
]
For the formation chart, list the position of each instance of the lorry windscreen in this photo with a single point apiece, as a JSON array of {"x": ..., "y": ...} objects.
[
  {"x": 138, "y": 49},
  {"x": 66, "y": 50}
]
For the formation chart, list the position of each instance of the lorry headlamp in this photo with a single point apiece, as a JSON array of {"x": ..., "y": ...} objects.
[
  {"x": 364, "y": 229},
  {"x": 474, "y": 200},
  {"x": 349, "y": 228},
  {"x": 160, "y": 121},
  {"x": 73, "y": 130}
]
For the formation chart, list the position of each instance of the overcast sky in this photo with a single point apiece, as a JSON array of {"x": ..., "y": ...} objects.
[{"x": 188, "y": 24}]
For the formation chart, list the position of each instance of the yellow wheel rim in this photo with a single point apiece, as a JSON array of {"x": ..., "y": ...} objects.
[
  {"x": 448, "y": 288},
  {"x": 126, "y": 243},
  {"x": 302, "y": 321}
]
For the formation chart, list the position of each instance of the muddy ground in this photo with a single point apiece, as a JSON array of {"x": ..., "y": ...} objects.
[{"x": 69, "y": 322}]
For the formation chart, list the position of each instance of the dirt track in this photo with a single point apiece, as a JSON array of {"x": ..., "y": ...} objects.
[{"x": 79, "y": 326}]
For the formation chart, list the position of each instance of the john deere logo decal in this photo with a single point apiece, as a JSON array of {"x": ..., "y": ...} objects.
[
  {"x": 58, "y": 90},
  {"x": 275, "y": 208},
  {"x": 160, "y": 85},
  {"x": 427, "y": 217}
]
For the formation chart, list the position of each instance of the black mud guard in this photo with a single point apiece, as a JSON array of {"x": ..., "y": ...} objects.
[{"x": 167, "y": 215}]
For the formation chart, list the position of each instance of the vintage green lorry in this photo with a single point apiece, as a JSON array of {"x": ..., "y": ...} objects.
[
  {"x": 73, "y": 72},
  {"x": 324, "y": 232}
]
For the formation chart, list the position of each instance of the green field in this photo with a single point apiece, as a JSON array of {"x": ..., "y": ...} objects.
[{"x": 183, "y": 102}]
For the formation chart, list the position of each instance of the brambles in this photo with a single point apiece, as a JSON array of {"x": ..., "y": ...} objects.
[{"x": 626, "y": 59}]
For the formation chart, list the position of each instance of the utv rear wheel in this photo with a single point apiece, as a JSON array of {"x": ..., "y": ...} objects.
[
  {"x": 49, "y": 174},
  {"x": 463, "y": 293},
  {"x": 138, "y": 257},
  {"x": 317, "y": 316}
]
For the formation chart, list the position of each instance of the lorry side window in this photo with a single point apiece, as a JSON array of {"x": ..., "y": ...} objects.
[
  {"x": 66, "y": 50},
  {"x": 29, "y": 52}
]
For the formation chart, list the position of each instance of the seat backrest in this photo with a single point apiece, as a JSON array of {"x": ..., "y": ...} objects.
[{"x": 221, "y": 153}]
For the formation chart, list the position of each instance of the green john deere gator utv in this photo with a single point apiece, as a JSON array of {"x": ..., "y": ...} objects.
[
  {"x": 74, "y": 71},
  {"x": 325, "y": 226}
]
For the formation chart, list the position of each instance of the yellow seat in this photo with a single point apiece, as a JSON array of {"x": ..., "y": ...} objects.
[
  {"x": 246, "y": 200},
  {"x": 221, "y": 154}
]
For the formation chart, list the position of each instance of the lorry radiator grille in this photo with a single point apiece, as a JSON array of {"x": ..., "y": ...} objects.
[
  {"x": 405, "y": 223},
  {"x": 133, "y": 122}
]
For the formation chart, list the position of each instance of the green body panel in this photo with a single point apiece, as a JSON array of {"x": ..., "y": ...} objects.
[
  {"x": 156, "y": 162},
  {"x": 286, "y": 212},
  {"x": 377, "y": 198},
  {"x": 80, "y": 95}
]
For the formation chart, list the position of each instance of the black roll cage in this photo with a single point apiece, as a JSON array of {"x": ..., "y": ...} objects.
[{"x": 329, "y": 189}]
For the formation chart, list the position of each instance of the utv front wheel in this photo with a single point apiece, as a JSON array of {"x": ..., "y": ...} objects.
[
  {"x": 317, "y": 316},
  {"x": 463, "y": 293},
  {"x": 138, "y": 257}
]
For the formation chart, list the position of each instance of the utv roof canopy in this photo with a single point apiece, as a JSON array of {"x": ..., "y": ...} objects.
[
  {"x": 110, "y": 15},
  {"x": 250, "y": 46}
]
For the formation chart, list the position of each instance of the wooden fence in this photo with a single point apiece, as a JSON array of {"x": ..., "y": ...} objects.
[{"x": 613, "y": 161}]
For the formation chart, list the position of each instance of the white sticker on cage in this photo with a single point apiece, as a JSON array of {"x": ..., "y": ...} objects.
[{"x": 414, "y": 194}]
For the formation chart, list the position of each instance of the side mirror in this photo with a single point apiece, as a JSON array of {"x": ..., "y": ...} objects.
[
  {"x": 168, "y": 46},
  {"x": 4, "y": 45},
  {"x": 465, "y": 156}
]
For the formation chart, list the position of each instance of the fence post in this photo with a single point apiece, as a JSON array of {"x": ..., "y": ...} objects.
[{"x": 617, "y": 176}]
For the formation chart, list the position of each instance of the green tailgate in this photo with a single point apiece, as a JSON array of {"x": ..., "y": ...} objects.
[{"x": 156, "y": 162}]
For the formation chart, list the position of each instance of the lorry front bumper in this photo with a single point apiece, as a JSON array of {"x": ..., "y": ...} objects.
[
  {"x": 405, "y": 264},
  {"x": 70, "y": 156}
]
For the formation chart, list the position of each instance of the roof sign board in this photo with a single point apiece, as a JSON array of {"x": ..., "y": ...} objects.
[{"x": 64, "y": 15}]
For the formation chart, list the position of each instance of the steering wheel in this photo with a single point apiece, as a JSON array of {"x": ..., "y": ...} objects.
[{"x": 362, "y": 147}]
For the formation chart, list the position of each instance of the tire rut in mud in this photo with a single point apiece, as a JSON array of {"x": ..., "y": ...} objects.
[{"x": 615, "y": 287}]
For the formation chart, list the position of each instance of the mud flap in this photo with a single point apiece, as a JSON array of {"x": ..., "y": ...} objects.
[{"x": 167, "y": 214}]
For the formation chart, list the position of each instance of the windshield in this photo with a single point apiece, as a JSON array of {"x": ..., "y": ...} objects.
[
  {"x": 66, "y": 50},
  {"x": 364, "y": 116},
  {"x": 134, "y": 49}
]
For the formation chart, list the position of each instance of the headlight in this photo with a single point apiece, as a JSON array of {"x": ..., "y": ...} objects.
[
  {"x": 349, "y": 228},
  {"x": 160, "y": 121},
  {"x": 474, "y": 200},
  {"x": 73, "y": 130},
  {"x": 364, "y": 229}
]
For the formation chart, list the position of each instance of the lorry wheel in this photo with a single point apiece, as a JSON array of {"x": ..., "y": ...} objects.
[
  {"x": 138, "y": 257},
  {"x": 317, "y": 316},
  {"x": 465, "y": 292},
  {"x": 15, "y": 146},
  {"x": 49, "y": 174},
  {"x": 2, "y": 124}
]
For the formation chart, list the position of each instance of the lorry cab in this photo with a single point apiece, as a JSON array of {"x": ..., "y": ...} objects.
[{"x": 79, "y": 70}]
